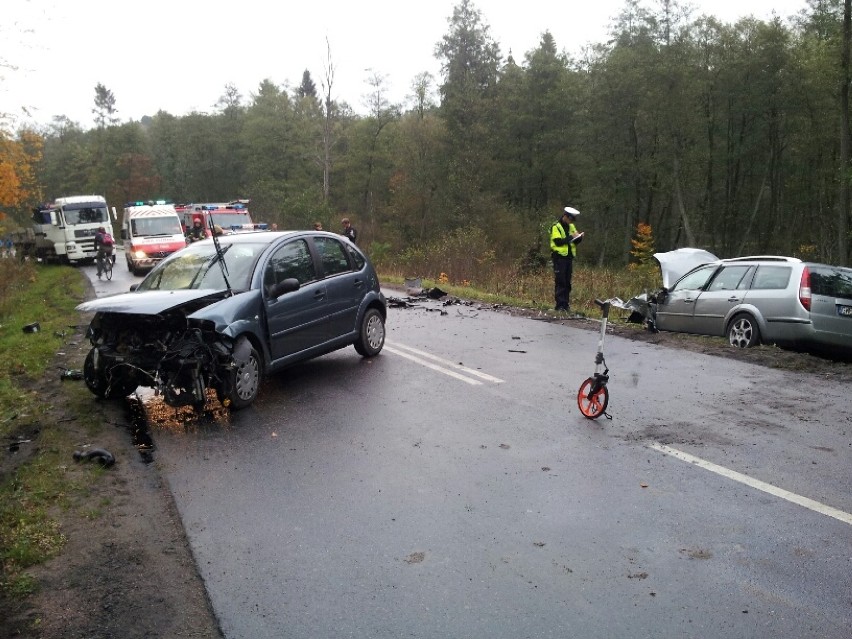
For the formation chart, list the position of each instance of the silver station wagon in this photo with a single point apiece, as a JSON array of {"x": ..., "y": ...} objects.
[{"x": 762, "y": 299}]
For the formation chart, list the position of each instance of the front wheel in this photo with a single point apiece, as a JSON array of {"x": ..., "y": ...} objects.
[
  {"x": 743, "y": 331},
  {"x": 244, "y": 383},
  {"x": 592, "y": 404},
  {"x": 371, "y": 335}
]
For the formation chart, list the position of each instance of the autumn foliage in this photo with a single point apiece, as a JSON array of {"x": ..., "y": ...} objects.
[{"x": 18, "y": 160}]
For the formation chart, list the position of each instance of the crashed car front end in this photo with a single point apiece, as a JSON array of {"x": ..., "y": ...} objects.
[
  {"x": 180, "y": 352},
  {"x": 673, "y": 265}
]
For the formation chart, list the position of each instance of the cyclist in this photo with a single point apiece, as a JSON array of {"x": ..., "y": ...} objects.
[{"x": 103, "y": 247}]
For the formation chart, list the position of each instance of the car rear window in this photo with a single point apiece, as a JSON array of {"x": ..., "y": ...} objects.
[
  {"x": 771, "y": 277},
  {"x": 832, "y": 282}
]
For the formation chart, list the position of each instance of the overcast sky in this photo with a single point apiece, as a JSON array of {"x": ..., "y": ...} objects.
[{"x": 178, "y": 55}]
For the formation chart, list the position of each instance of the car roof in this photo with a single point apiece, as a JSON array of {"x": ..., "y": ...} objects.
[
  {"x": 762, "y": 258},
  {"x": 254, "y": 237}
]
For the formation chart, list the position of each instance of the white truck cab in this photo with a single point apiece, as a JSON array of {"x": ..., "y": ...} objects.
[
  {"x": 64, "y": 230},
  {"x": 151, "y": 232}
]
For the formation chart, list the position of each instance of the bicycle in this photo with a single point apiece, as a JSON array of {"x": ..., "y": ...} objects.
[
  {"x": 105, "y": 265},
  {"x": 593, "y": 396}
]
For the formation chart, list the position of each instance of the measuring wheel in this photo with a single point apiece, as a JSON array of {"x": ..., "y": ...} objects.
[{"x": 592, "y": 398}]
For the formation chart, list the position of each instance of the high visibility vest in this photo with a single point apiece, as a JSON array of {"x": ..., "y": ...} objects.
[{"x": 557, "y": 231}]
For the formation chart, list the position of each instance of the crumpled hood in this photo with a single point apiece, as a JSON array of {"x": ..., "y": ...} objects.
[
  {"x": 675, "y": 264},
  {"x": 149, "y": 302}
]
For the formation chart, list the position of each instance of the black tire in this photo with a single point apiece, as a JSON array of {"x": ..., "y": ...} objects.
[
  {"x": 371, "y": 335},
  {"x": 743, "y": 331},
  {"x": 114, "y": 386},
  {"x": 95, "y": 380},
  {"x": 244, "y": 383}
]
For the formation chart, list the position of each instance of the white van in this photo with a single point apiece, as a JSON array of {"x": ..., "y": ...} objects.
[{"x": 150, "y": 232}]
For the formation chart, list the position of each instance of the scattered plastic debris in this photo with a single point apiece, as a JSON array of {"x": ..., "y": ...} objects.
[
  {"x": 35, "y": 327},
  {"x": 414, "y": 285},
  {"x": 100, "y": 455},
  {"x": 70, "y": 373},
  {"x": 435, "y": 293}
]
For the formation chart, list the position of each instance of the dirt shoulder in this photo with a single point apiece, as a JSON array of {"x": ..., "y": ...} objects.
[{"x": 127, "y": 569}]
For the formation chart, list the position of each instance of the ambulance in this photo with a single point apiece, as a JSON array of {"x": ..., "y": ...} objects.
[{"x": 151, "y": 231}]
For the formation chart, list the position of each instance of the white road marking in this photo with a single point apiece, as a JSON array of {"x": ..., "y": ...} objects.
[
  {"x": 810, "y": 504},
  {"x": 457, "y": 371}
]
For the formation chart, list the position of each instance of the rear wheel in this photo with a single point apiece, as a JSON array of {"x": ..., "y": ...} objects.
[
  {"x": 371, "y": 336},
  {"x": 244, "y": 383},
  {"x": 592, "y": 405},
  {"x": 743, "y": 331}
]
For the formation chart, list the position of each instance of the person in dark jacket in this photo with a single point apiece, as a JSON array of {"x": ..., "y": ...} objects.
[
  {"x": 349, "y": 230},
  {"x": 196, "y": 232}
]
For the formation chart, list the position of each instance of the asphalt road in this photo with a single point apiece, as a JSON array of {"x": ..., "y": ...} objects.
[{"x": 451, "y": 488}]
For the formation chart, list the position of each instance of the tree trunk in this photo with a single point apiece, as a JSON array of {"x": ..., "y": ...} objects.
[
  {"x": 687, "y": 230},
  {"x": 843, "y": 213}
]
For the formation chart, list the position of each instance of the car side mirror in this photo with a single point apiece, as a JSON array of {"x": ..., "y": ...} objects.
[{"x": 285, "y": 286}]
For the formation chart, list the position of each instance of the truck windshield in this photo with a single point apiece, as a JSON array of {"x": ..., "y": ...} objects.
[
  {"x": 85, "y": 214},
  {"x": 231, "y": 220}
]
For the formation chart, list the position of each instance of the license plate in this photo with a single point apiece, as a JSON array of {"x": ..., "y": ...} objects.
[{"x": 845, "y": 311}]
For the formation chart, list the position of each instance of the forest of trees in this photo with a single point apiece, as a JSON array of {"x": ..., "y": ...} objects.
[{"x": 729, "y": 137}]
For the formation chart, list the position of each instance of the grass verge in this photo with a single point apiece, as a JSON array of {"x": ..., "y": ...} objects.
[{"x": 33, "y": 480}]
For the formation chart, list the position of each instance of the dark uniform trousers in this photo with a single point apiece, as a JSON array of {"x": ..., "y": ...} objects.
[{"x": 562, "y": 267}]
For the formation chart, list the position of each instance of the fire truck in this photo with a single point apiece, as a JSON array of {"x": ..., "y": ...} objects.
[{"x": 233, "y": 217}]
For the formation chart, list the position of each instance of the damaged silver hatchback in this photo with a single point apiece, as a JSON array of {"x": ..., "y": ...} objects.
[{"x": 222, "y": 312}]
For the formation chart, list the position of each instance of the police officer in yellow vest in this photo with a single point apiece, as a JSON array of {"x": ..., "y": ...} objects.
[{"x": 563, "y": 248}]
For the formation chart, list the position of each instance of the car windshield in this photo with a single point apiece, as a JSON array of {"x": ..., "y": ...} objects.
[{"x": 197, "y": 267}]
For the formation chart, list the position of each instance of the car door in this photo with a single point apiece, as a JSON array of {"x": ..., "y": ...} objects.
[
  {"x": 297, "y": 320},
  {"x": 345, "y": 284},
  {"x": 726, "y": 290},
  {"x": 675, "y": 312}
]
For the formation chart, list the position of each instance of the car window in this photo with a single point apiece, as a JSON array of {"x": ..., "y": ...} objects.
[
  {"x": 771, "y": 277},
  {"x": 356, "y": 257},
  {"x": 696, "y": 280},
  {"x": 730, "y": 278},
  {"x": 332, "y": 256},
  {"x": 291, "y": 260},
  {"x": 832, "y": 282}
]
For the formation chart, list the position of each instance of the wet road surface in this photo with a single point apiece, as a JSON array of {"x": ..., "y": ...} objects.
[{"x": 451, "y": 488}]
